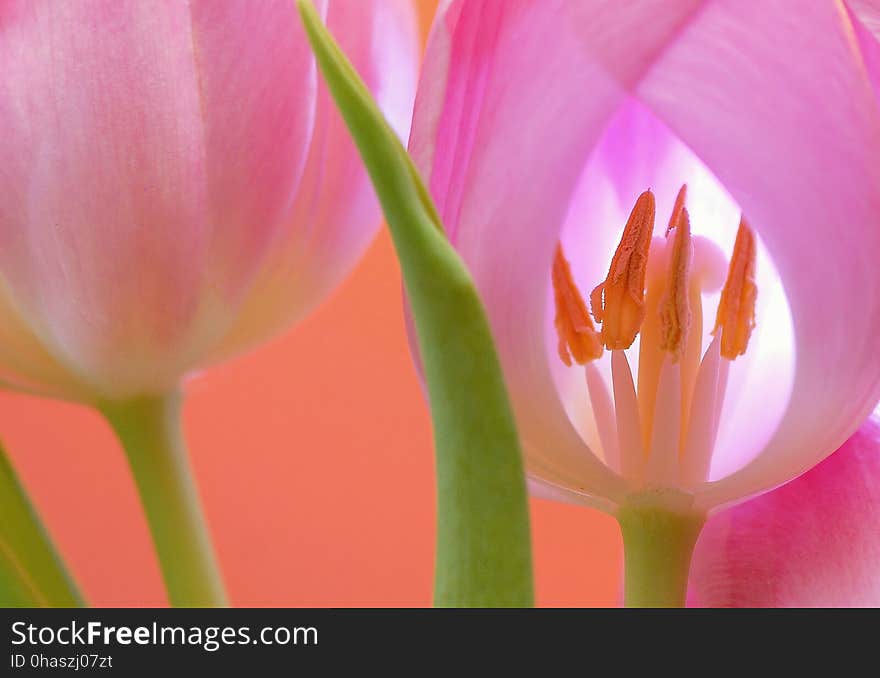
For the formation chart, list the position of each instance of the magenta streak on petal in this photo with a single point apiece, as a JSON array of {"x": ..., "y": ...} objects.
[
  {"x": 866, "y": 24},
  {"x": 475, "y": 35}
]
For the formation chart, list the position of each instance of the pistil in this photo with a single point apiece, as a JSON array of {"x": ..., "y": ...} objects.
[{"x": 659, "y": 279}]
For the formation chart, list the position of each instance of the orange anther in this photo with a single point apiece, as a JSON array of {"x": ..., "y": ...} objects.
[
  {"x": 736, "y": 310},
  {"x": 675, "y": 312},
  {"x": 578, "y": 337},
  {"x": 619, "y": 302},
  {"x": 677, "y": 208}
]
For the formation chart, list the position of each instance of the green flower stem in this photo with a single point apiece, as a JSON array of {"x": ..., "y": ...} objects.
[
  {"x": 31, "y": 572},
  {"x": 658, "y": 544},
  {"x": 150, "y": 431},
  {"x": 483, "y": 543}
]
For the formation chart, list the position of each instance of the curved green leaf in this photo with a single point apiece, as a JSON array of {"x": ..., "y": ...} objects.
[
  {"x": 31, "y": 572},
  {"x": 483, "y": 549}
]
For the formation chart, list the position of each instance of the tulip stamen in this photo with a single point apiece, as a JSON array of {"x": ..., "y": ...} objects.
[
  {"x": 675, "y": 312},
  {"x": 626, "y": 409},
  {"x": 619, "y": 302},
  {"x": 736, "y": 310},
  {"x": 578, "y": 337},
  {"x": 705, "y": 411},
  {"x": 659, "y": 431},
  {"x": 604, "y": 415},
  {"x": 677, "y": 208}
]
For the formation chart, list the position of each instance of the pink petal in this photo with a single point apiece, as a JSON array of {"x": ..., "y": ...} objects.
[
  {"x": 336, "y": 214},
  {"x": 148, "y": 154},
  {"x": 812, "y": 543}
]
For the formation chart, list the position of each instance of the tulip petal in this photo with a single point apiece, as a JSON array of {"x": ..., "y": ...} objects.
[
  {"x": 324, "y": 235},
  {"x": 148, "y": 155},
  {"x": 510, "y": 103},
  {"x": 94, "y": 157},
  {"x": 814, "y": 542}
]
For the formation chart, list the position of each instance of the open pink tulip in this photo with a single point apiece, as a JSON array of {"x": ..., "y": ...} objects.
[
  {"x": 812, "y": 543},
  {"x": 176, "y": 185},
  {"x": 539, "y": 124}
]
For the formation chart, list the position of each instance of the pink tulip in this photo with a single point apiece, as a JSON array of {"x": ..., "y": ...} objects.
[
  {"x": 176, "y": 185},
  {"x": 812, "y": 543},
  {"x": 541, "y": 122}
]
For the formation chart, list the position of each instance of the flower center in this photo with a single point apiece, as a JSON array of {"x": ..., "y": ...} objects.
[{"x": 664, "y": 432}]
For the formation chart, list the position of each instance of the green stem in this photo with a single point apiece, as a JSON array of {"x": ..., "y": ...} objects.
[
  {"x": 150, "y": 431},
  {"x": 32, "y": 574},
  {"x": 658, "y": 544}
]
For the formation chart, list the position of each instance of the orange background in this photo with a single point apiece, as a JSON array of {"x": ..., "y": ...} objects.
[{"x": 314, "y": 460}]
